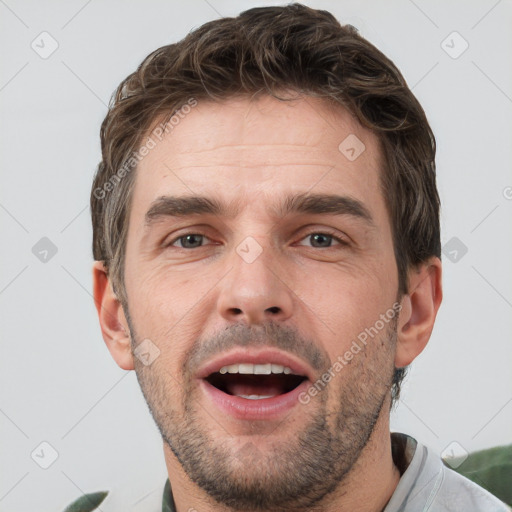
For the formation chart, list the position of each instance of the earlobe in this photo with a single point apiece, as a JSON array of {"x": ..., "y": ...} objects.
[
  {"x": 114, "y": 326},
  {"x": 419, "y": 310}
]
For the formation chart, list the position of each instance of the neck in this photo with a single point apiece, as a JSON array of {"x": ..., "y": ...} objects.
[{"x": 367, "y": 487}]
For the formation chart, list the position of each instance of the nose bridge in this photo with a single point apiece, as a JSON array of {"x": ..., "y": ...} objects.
[{"x": 253, "y": 291}]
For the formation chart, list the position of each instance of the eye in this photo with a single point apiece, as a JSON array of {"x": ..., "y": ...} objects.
[
  {"x": 189, "y": 241},
  {"x": 322, "y": 240}
]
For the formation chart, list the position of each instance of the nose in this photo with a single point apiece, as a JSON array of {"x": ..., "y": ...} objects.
[{"x": 255, "y": 292}]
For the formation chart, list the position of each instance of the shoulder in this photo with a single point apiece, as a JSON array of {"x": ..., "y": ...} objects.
[
  {"x": 457, "y": 493},
  {"x": 153, "y": 501},
  {"x": 428, "y": 485},
  {"x": 87, "y": 502},
  {"x": 491, "y": 468}
]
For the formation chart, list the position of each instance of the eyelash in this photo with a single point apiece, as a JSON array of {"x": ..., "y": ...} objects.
[
  {"x": 330, "y": 234},
  {"x": 327, "y": 232}
]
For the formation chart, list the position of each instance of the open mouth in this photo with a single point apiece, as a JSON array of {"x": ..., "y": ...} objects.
[{"x": 255, "y": 381}]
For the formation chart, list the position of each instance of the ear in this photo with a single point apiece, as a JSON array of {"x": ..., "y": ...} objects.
[
  {"x": 114, "y": 326},
  {"x": 419, "y": 310}
]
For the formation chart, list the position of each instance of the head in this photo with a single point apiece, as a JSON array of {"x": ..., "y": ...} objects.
[{"x": 267, "y": 194}]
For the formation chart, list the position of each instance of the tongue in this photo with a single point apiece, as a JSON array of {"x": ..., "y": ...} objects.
[{"x": 249, "y": 385}]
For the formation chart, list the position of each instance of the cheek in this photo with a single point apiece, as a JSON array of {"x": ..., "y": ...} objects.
[
  {"x": 340, "y": 305},
  {"x": 168, "y": 307}
]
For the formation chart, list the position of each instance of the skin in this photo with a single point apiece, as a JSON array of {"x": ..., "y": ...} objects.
[{"x": 251, "y": 154}]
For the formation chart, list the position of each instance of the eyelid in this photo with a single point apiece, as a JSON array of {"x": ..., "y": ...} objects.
[
  {"x": 319, "y": 227},
  {"x": 341, "y": 238},
  {"x": 176, "y": 238},
  {"x": 170, "y": 234}
]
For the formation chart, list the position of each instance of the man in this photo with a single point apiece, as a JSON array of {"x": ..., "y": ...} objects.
[{"x": 267, "y": 246}]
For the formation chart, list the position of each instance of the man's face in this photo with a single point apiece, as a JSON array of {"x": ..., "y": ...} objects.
[{"x": 293, "y": 263}]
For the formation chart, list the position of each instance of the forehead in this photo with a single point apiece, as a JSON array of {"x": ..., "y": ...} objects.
[{"x": 240, "y": 148}]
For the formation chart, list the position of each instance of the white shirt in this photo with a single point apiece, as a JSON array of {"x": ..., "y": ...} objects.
[{"x": 427, "y": 485}]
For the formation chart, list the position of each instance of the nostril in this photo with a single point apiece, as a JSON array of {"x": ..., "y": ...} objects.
[{"x": 274, "y": 310}]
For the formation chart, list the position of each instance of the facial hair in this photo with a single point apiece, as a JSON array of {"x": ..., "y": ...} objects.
[{"x": 291, "y": 475}]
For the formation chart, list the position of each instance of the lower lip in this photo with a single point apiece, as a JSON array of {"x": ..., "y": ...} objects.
[{"x": 247, "y": 409}]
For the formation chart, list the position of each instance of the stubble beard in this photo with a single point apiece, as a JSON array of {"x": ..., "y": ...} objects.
[{"x": 292, "y": 475}]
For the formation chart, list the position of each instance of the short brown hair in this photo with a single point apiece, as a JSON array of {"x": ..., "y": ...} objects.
[{"x": 269, "y": 50}]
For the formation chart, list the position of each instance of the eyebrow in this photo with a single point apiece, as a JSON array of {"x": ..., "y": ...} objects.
[
  {"x": 331, "y": 204},
  {"x": 183, "y": 206}
]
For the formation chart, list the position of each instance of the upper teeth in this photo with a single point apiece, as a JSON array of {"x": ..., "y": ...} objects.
[{"x": 255, "y": 369}]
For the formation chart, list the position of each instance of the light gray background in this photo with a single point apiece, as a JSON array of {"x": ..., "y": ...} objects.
[{"x": 58, "y": 382}]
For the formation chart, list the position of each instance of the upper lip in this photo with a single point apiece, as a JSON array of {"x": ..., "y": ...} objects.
[{"x": 255, "y": 356}]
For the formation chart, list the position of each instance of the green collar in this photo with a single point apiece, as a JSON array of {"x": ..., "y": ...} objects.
[{"x": 167, "y": 499}]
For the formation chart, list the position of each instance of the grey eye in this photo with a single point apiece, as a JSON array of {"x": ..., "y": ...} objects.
[
  {"x": 320, "y": 240},
  {"x": 191, "y": 241}
]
